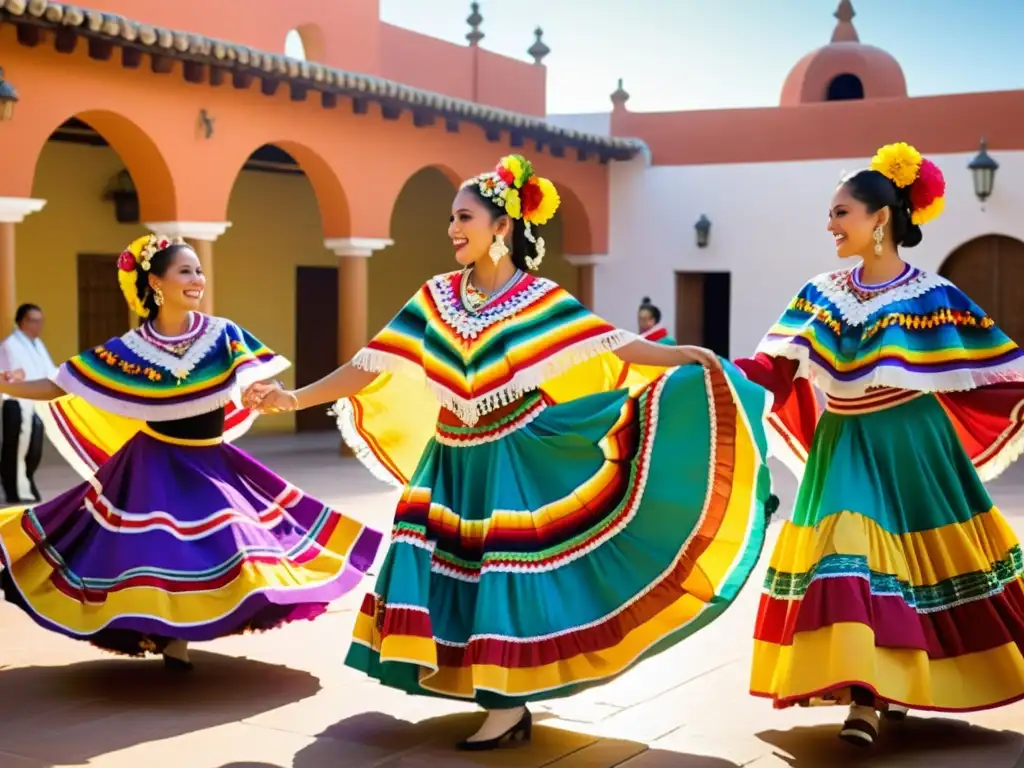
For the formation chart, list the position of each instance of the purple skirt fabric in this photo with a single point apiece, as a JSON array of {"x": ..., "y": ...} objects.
[{"x": 179, "y": 541}]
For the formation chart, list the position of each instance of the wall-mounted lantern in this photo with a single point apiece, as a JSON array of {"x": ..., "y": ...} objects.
[
  {"x": 703, "y": 228},
  {"x": 983, "y": 170},
  {"x": 8, "y": 98},
  {"x": 121, "y": 190}
]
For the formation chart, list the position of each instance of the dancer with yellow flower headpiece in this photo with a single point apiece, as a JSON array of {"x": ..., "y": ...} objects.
[
  {"x": 174, "y": 536},
  {"x": 553, "y": 531},
  {"x": 897, "y": 584}
]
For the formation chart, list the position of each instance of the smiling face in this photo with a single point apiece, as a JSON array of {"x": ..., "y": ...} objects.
[
  {"x": 473, "y": 226},
  {"x": 852, "y": 225},
  {"x": 183, "y": 283}
]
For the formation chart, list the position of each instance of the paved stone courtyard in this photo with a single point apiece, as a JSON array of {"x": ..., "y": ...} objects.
[{"x": 284, "y": 699}]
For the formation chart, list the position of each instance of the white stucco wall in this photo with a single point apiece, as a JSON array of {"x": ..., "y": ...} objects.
[{"x": 767, "y": 229}]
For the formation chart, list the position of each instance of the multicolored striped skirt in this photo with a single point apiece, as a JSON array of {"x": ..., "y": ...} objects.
[
  {"x": 178, "y": 539},
  {"x": 896, "y": 572},
  {"x": 549, "y": 548}
]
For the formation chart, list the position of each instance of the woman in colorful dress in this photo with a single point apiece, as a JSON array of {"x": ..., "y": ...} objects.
[
  {"x": 897, "y": 584},
  {"x": 553, "y": 531},
  {"x": 174, "y": 536},
  {"x": 648, "y": 318}
]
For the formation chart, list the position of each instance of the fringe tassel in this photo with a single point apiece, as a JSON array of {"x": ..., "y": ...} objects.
[
  {"x": 999, "y": 463},
  {"x": 523, "y": 381},
  {"x": 345, "y": 416},
  {"x": 962, "y": 380}
]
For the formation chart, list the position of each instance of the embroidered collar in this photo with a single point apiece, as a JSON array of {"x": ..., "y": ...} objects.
[
  {"x": 445, "y": 294},
  {"x": 177, "y": 355},
  {"x": 857, "y": 304}
]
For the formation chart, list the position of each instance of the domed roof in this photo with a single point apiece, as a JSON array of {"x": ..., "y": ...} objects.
[{"x": 844, "y": 69}]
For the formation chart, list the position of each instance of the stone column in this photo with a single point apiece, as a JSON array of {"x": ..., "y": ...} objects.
[
  {"x": 353, "y": 289},
  {"x": 353, "y": 295},
  {"x": 200, "y": 235},
  {"x": 13, "y": 211},
  {"x": 585, "y": 276}
]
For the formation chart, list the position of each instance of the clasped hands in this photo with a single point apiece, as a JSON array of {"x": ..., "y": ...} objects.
[{"x": 269, "y": 397}]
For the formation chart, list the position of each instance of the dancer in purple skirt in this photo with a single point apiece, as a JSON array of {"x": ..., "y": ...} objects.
[{"x": 174, "y": 536}]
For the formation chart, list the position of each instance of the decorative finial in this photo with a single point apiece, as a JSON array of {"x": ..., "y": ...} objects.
[
  {"x": 538, "y": 50},
  {"x": 474, "y": 20},
  {"x": 844, "y": 31},
  {"x": 620, "y": 96}
]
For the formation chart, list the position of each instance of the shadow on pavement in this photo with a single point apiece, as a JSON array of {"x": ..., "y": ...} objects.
[
  {"x": 927, "y": 741},
  {"x": 69, "y": 715},
  {"x": 388, "y": 742}
]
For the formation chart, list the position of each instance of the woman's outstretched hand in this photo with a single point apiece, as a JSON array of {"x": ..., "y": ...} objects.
[
  {"x": 699, "y": 355},
  {"x": 269, "y": 397}
]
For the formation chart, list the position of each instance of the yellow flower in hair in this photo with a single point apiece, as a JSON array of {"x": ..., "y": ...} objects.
[
  {"x": 513, "y": 205},
  {"x": 548, "y": 203},
  {"x": 900, "y": 163}
]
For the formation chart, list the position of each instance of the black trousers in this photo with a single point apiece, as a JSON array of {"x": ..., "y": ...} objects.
[{"x": 12, "y": 453}]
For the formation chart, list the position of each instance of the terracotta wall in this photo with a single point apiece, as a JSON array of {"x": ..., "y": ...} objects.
[
  {"x": 935, "y": 124},
  {"x": 348, "y": 34}
]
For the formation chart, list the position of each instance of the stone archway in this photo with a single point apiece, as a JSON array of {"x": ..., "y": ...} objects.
[{"x": 990, "y": 269}]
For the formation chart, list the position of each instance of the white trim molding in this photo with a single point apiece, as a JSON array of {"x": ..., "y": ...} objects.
[
  {"x": 207, "y": 231},
  {"x": 588, "y": 260},
  {"x": 13, "y": 210},
  {"x": 359, "y": 247}
]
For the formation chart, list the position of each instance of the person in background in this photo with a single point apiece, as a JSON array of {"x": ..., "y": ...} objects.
[
  {"x": 648, "y": 318},
  {"x": 23, "y": 355}
]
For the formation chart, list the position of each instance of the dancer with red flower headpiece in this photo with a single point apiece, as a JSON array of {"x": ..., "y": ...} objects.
[
  {"x": 174, "y": 536},
  {"x": 897, "y": 584},
  {"x": 554, "y": 529}
]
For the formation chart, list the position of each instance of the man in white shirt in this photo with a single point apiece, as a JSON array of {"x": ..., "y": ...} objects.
[{"x": 23, "y": 356}]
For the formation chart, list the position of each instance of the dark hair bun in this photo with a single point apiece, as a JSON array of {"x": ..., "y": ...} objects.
[
  {"x": 912, "y": 237},
  {"x": 645, "y": 301}
]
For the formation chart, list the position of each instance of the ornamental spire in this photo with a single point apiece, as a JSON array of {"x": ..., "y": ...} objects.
[
  {"x": 845, "y": 31},
  {"x": 474, "y": 20},
  {"x": 539, "y": 49}
]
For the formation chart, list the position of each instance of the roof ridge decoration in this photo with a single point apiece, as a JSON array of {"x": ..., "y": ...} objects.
[{"x": 105, "y": 31}]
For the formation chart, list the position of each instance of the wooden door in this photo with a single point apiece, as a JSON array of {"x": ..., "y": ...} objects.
[
  {"x": 990, "y": 270},
  {"x": 703, "y": 310},
  {"x": 689, "y": 308},
  {"x": 316, "y": 338},
  {"x": 102, "y": 311}
]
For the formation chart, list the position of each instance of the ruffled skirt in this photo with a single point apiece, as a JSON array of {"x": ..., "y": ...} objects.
[
  {"x": 178, "y": 539},
  {"x": 896, "y": 573},
  {"x": 549, "y": 548}
]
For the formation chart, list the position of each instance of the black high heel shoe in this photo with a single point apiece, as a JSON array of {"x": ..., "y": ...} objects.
[
  {"x": 172, "y": 664},
  {"x": 520, "y": 732}
]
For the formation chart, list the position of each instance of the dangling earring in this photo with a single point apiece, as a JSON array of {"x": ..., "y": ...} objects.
[
  {"x": 879, "y": 236},
  {"x": 498, "y": 249},
  {"x": 158, "y": 297}
]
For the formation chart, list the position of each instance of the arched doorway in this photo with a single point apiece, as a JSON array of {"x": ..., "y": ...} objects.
[
  {"x": 990, "y": 270},
  {"x": 274, "y": 276},
  {"x": 101, "y": 175}
]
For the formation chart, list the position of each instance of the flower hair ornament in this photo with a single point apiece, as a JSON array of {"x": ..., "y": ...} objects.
[
  {"x": 925, "y": 185},
  {"x": 522, "y": 194},
  {"x": 140, "y": 255}
]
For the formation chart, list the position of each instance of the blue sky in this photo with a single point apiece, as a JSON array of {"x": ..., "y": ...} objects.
[{"x": 706, "y": 54}]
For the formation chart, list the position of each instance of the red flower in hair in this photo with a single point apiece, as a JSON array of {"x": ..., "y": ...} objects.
[
  {"x": 126, "y": 261},
  {"x": 163, "y": 244},
  {"x": 929, "y": 186},
  {"x": 506, "y": 175},
  {"x": 531, "y": 195}
]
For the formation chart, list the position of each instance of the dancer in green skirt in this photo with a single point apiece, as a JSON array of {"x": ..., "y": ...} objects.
[
  {"x": 566, "y": 512},
  {"x": 897, "y": 584}
]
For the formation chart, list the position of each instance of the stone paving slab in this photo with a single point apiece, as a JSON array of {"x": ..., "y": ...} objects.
[{"x": 284, "y": 699}]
